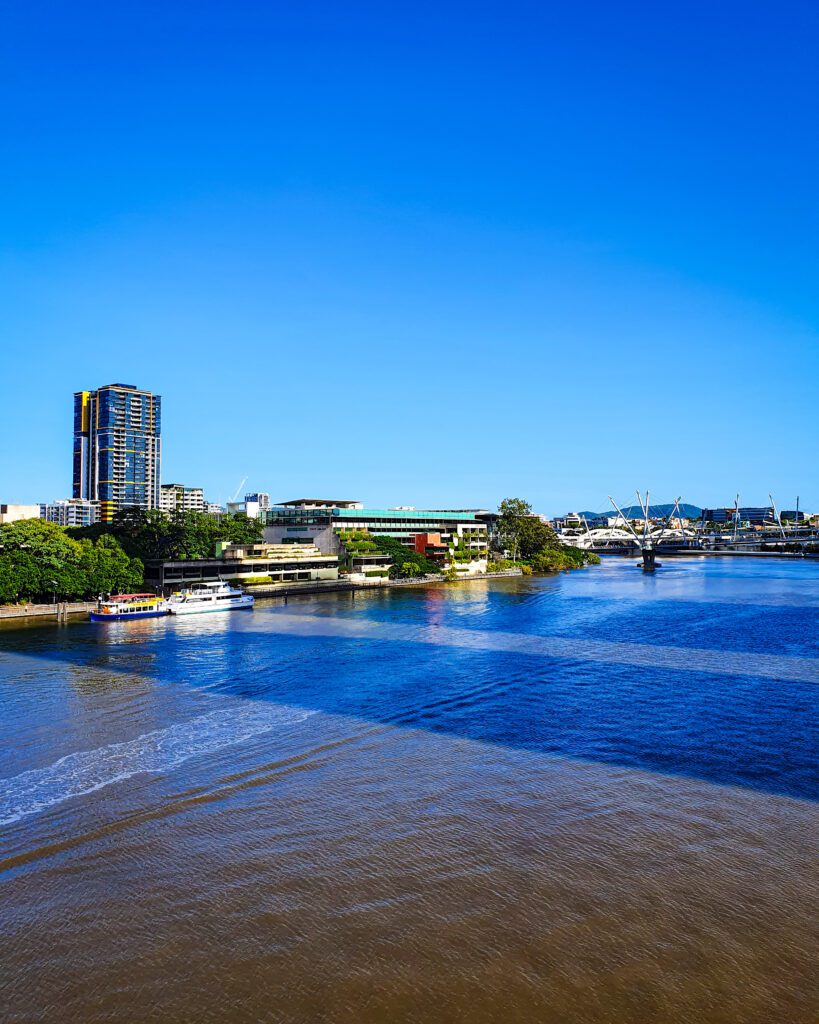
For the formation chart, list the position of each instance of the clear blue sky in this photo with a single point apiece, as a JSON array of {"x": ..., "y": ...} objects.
[{"x": 414, "y": 253}]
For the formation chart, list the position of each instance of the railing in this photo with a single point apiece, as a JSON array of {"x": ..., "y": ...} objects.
[{"x": 60, "y": 609}]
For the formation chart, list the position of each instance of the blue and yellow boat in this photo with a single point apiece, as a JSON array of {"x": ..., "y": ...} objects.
[{"x": 130, "y": 606}]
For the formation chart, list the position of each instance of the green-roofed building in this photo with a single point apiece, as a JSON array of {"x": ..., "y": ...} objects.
[{"x": 319, "y": 521}]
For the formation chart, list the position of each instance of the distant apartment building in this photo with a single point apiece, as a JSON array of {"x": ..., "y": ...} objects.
[
  {"x": 117, "y": 448},
  {"x": 212, "y": 508},
  {"x": 71, "y": 512},
  {"x": 13, "y": 513},
  {"x": 179, "y": 498}
]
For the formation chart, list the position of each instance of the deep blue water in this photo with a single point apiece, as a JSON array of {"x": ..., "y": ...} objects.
[
  {"x": 751, "y": 725},
  {"x": 556, "y": 799}
]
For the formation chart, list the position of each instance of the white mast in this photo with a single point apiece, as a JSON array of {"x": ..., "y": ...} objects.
[{"x": 778, "y": 519}]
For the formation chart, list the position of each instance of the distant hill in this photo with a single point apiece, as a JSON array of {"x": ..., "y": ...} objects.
[{"x": 656, "y": 511}]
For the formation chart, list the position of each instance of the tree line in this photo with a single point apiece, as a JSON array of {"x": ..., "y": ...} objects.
[
  {"x": 152, "y": 534},
  {"x": 40, "y": 561},
  {"x": 43, "y": 561},
  {"x": 528, "y": 540}
]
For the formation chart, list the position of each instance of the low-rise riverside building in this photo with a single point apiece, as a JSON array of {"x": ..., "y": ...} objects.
[
  {"x": 71, "y": 512},
  {"x": 261, "y": 562},
  {"x": 360, "y": 557},
  {"x": 461, "y": 534}
]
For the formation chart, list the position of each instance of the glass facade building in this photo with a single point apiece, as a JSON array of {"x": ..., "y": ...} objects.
[
  {"x": 117, "y": 448},
  {"x": 755, "y": 516},
  {"x": 464, "y": 530}
]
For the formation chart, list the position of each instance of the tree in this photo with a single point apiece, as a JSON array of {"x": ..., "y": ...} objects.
[
  {"x": 143, "y": 533},
  {"x": 111, "y": 570},
  {"x": 39, "y": 560},
  {"x": 152, "y": 535},
  {"x": 513, "y": 513},
  {"x": 527, "y": 535},
  {"x": 402, "y": 555},
  {"x": 536, "y": 536}
]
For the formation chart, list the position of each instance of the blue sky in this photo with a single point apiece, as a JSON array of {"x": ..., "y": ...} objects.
[{"x": 422, "y": 254}]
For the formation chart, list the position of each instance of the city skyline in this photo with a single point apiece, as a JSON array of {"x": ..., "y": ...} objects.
[{"x": 83, "y": 457}]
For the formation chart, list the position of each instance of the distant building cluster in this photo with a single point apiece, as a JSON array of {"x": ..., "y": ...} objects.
[
  {"x": 309, "y": 539},
  {"x": 117, "y": 463}
]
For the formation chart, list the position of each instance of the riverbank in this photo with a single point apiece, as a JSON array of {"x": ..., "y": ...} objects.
[
  {"x": 59, "y": 610},
  {"x": 63, "y": 609}
]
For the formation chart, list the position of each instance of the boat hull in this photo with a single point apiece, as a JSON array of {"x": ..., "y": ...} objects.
[
  {"x": 122, "y": 616},
  {"x": 204, "y": 607}
]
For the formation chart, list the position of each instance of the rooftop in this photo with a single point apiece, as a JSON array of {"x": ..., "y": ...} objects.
[
  {"x": 355, "y": 512},
  {"x": 320, "y": 503},
  {"x": 424, "y": 514}
]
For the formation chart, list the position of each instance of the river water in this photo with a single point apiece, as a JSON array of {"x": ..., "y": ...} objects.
[{"x": 584, "y": 798}]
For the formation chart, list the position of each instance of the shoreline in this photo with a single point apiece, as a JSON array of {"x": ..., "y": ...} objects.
[{"x": 62, "y": 610}]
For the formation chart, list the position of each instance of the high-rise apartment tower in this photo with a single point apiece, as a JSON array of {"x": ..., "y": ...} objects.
[{"x": 117, "y": 448}]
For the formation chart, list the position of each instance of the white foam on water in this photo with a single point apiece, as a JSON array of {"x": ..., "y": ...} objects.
[{"x": 159, "y": 751}]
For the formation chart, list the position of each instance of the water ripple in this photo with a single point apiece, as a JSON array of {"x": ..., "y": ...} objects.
[{"x": 161, "y": 750}]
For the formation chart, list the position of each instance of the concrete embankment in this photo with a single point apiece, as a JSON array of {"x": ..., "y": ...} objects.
[
  {"x": 330, "y": 586},
  {"x": 59, "y": 610}
]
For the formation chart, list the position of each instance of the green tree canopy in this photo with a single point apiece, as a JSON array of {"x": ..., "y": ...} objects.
[
  {"x": 151, "y": 534},
  {"x": 402, "y": 556},
  {"x": 39, "y": 561},
  {"x": 512, "y": 516},
  {"x": 526, "y": 536}
]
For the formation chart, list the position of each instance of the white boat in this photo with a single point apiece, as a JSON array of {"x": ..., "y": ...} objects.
[{"x": 208, "y": 597}]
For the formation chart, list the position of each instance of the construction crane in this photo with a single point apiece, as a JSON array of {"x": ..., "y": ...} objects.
[{"x": 238, "y": 489}]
